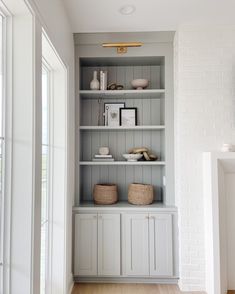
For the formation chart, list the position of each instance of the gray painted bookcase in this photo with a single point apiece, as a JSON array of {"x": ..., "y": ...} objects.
[{"x": 124, "y": 242}]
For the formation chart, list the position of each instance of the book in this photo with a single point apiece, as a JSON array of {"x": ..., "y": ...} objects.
[
  {"x": 102, "y": 159},
  {"x": 103, "y": 156}
]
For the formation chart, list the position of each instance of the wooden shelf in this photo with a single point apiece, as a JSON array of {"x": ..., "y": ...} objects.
[
  {"x": 153, "y": 93},
  {"x": 121, "y": 128},
  {"x": 115, "y": 163}
]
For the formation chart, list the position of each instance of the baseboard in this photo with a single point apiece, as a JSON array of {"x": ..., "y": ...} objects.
[
  {"x": 135, "y": 280},
  {"x": 71, "y": 288},
  {"x": 71, "y": 285}
]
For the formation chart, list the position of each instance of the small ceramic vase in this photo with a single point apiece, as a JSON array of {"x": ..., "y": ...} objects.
[
  {"x": 94, "y": 84},
  {"x": 227, "y": 148},
  {"x": 104, "y": 150}
]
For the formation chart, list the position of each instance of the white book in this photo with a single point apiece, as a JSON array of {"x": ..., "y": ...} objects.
[
  {"x": 103, "y": 156},
  {"x": 103, "y": 159}
]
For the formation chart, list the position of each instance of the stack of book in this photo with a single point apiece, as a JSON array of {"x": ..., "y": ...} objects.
[{"x": 99, "y": 157}]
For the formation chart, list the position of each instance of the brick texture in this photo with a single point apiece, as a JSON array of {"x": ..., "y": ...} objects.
[{"x": 204, "y": 120}]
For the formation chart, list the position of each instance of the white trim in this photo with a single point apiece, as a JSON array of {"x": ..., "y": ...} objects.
[
  {"x": 33, "y": 156},
  {"x": 7, "y": 119},
  {"x": 55, "y": 63},
  {"x": 48, "y": 69},
  {"x": 212, "y": 162},
  {"x": 36, "y": 11}
]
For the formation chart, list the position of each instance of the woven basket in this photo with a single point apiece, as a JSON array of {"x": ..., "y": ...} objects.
[
  {"x": 105, "y": 194},
  {"x": 140, "y": 194}
]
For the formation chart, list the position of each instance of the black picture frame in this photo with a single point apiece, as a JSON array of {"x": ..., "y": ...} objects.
[
  {"x": 112, "y": 103},
  {"x": 128, "y": 109}
]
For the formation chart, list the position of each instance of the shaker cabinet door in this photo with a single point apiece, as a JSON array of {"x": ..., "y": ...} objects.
[
  {"x": 109, "y": 245},
  {"x": 160, "y": 238},
  {"x": 135, "y": 245},
  {"x": 85, "y": 251}
]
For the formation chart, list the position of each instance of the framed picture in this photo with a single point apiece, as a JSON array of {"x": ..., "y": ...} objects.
[
  {"x": 112, "y": 113},
  {"x": 128, "y": 117}
]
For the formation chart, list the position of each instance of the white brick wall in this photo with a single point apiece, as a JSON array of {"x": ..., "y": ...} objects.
[{"x": 204, "y": 120}]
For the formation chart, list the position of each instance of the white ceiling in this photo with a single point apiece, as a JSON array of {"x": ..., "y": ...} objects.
[{"x": 150, "y": 15}]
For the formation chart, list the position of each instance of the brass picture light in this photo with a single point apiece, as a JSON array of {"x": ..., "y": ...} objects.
[{"x": 122, "y": 47}]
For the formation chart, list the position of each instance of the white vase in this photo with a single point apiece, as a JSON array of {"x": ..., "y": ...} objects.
[{"x": 94, "y": 84}]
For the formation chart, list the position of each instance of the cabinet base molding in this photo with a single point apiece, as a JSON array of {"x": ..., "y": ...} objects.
[{"x": 172, "y": 281}]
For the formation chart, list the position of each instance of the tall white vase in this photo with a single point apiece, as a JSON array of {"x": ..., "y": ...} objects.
[{"x": 94, "y": 84}]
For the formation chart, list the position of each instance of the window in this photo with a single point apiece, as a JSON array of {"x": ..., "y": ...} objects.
[
  {"x": 45, "y": 189},
  {"x": 2, "y": 149}
]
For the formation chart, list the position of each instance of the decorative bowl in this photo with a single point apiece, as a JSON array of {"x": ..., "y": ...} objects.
[
  {"x": 139, "y": 84},
  {"x": 132, "y": 157}
]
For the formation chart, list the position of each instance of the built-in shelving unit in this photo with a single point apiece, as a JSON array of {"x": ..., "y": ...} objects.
[{"x": 123, "y": 242}]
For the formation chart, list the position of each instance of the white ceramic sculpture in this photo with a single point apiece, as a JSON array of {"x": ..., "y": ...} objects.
[
  {"x": 95, "y": 84},
  {"x": 132, "y": 157}
]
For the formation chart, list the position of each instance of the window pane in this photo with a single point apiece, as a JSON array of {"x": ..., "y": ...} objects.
[
  {"x": 44, "y": 184},
  {"x": 1, "y": 73}
]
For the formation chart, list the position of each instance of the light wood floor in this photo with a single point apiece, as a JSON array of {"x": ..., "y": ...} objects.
[{"x": 127, "y": 289}]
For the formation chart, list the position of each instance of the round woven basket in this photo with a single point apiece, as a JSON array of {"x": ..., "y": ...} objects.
[
  {"x": 140, "y": 194},
  {"x": 105, "y": 194}
]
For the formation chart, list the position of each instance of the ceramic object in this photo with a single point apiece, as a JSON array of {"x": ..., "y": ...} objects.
[
  {"x": 132, "y": 157},
  {"x": 139, "y": 84},
  {"x": 94, "y": 84},
  {"x": 104, "y": 150},
  {"x": 228, "y": 148}
]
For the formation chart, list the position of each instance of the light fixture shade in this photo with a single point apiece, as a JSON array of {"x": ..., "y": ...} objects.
[{"x": 127, "y": 9}]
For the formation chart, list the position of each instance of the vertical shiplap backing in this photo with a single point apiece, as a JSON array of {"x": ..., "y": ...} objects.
[
  {"x": 150, "y": 111},
  {"x": 123, "y": 75},
  {"x": 122, "y": 176}
]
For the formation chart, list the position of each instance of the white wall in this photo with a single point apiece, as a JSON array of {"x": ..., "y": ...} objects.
[
  {"x": 53, "y": 17},
  {"x": 204, "y": 119}
]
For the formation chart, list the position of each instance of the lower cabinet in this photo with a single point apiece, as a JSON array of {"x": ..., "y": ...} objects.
[
  {"x": 97, "y": 245},
  {"x": 135, "y": 245},
  {"x": 85, "y": 245},
  {"x": 160, "y": 245},
  {"x": 109, "y": 247},
  {"x": 147, "y": 245}
]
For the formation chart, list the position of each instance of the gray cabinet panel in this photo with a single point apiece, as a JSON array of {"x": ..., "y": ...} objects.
[
  {"x": 135, "y": 245},
  {"x": 85, "y": 248},
  {"x": 161, "y": 242}
]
